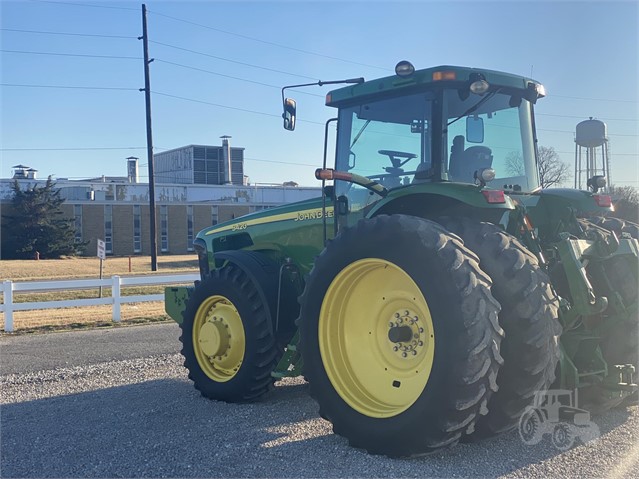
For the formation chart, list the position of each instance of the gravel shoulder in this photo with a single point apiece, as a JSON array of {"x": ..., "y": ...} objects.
[{"x": 137, "y": 415}]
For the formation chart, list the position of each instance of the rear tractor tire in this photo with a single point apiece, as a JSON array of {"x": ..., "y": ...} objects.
[
  {"x": 227, "y": 341},
  {"x": 399, "y": 335},
  {"x": 529, "y": 317}
]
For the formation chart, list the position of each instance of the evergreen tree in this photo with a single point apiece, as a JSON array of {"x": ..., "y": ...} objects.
[{"x": 38, "y": 225}]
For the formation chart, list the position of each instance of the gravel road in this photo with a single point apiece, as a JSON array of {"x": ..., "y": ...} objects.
[{"x": 118, "y": 403}]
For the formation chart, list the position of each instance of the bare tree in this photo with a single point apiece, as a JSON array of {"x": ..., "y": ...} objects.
[
  {"x": 514, "y": 164},
  {"x": 552, "y": 171},
  {"x": 626, "y": 200}
]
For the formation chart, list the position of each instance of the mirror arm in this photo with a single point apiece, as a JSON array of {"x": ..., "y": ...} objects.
[{"x": 322, "y": 83}]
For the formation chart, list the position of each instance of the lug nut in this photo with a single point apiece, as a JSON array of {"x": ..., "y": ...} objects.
[{"x": 404, "y": 354}]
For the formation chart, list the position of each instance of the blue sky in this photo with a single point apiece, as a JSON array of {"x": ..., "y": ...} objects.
[{"x": 585, "y": 53}]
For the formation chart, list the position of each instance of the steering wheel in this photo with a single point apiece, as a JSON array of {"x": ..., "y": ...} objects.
[{"x": 396, "y": 160}]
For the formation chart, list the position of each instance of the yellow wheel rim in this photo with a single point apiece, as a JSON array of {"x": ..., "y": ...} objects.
[
  {"x": 218, "y": 338},
  {"x": 376, "y": 338}
]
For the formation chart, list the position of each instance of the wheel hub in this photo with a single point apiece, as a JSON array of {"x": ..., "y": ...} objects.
[
  {"x": 214, "y": 338},
  {"x": 218, "y": 337},
  {"x": 406, "y": 333}
]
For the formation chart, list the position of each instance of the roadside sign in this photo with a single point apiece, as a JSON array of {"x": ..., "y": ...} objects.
[{"x": 101, "y": 249}]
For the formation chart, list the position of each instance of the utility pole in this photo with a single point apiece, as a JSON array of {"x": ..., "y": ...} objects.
[{"x": 149, "y": 141}]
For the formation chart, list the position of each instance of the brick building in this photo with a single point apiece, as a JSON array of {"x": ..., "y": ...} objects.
[{"x": 116, "y": 209}]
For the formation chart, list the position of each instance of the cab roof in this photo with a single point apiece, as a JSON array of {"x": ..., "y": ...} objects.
[{"x": 444, "y": 75}]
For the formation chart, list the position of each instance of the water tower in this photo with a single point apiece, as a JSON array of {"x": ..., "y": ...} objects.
[{"x": 591, "y": 142}]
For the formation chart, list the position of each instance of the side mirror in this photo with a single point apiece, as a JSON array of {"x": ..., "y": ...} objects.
[
  {"x": 289, "y": 114},
  {"x": 474, "y": 129}
]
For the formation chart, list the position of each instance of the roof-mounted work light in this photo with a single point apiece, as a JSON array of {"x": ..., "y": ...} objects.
[{"x": 404, "y": 69}]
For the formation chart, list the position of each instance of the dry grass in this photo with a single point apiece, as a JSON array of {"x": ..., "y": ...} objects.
[
  {"x": 85, "y": 268},
  {"x": 85, "y": 317},
  {"x": 88, "y": 268}
]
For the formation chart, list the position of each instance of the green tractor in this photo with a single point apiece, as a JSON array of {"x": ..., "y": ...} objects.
[{"x": 434, "y": 289}]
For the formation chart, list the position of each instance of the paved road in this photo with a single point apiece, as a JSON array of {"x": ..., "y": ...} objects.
[
  {"x": 117, "y": 403},
  {"x": 36, "y": 352}
]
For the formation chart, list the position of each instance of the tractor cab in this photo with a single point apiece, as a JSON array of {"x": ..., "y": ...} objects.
[{"x": 442, "y": 124}]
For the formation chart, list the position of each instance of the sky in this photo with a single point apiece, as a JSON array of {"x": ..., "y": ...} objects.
[{"x": 71, "y": 73}]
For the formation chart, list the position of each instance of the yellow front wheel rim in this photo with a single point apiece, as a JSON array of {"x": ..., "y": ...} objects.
[
  {"x": 218, "y": 338},
  {"x": 376, "y": 338}
]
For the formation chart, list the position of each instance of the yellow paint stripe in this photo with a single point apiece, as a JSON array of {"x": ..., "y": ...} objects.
[{"x": 267, "y": 219}]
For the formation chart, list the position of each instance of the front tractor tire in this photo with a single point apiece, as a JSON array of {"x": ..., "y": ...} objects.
[
  {"x": 399, "y": 335},
  {"x": 227, "y": 341},
  {"x": 529, "y": 316}
]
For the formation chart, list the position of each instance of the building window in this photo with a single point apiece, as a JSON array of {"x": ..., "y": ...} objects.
[
  {"x": 214, "y": 214},
  {"x": 164, "y": 228},
  {"x": 137, "y": 229},
  {"x": 208, "y": 166},
  {"x": 189, "y": 228},
  {"x": 108, "y": 229},
  {"x": 77, "y": 221},
  {"x": 199, "y": 152}
]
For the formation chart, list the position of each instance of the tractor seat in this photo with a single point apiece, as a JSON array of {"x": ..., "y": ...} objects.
[{"x": 463, "y": 167}]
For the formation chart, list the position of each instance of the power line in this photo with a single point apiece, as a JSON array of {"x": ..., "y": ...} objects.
[
  {"x": 70, "y": 87},
  {"x": 66, "y": 33},
  {"x": 592, "y": 99},
  {"x": 78, "y": 87},
  {"x": 77, "y": 149},
  {"x": 70, "y": 54},
  {"x": 229, "y": 107},
  {"x": 85, "y": 5},
  {"x": 231, "y": 61},
  {"x": 309, "y": 121},
  {"x": 266, "y": 42},
  {"x": 572, "y": 132},
  {"x": 581, "y": 117},
  {"x": 611, "y": 154},
  {"x": 215, "y": 104},
  {"x": 232, "y": 77},
  {"x": 279, "y": 162},
  {"x": 214, "y": 73}
]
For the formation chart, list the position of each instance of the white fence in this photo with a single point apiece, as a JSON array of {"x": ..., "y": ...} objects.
[{"x": 116, "y": 299}]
